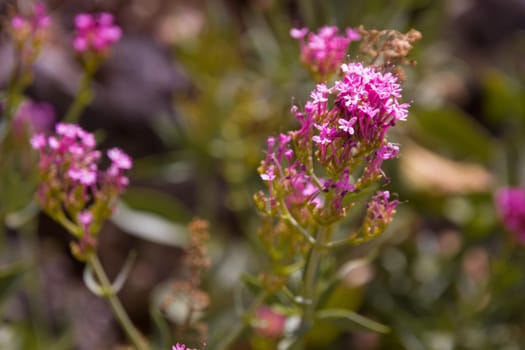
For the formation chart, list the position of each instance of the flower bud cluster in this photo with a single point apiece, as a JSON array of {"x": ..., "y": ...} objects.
[
  {"x": 380, "y": 211},
  {"x": 323, "y": 52},
  {"x": 510, "y": 202},
  {"x": 29, "y": 32},
  {"x": 95, "y": 33},
  {"x": 73, "y": 190}
]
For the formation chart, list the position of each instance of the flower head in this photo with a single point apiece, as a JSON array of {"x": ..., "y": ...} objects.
[
  {"x": 34, "y": 25},
  {"x": 324, "y": 51},
  {"x": 365, "y": 105},
  {"x": 95, "y": 32},
  {"x": 342, "y": 127},
  {"x": 510, "y": 202}
]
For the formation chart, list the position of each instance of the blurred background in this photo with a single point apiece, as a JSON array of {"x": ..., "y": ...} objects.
[{"x": 193, "y": 90}]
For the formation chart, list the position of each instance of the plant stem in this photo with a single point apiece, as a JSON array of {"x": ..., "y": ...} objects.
[
  {"x": 84, "y": 95},
  {"x": 310, "y": 276},
  {"x": 133, "y": 334}
]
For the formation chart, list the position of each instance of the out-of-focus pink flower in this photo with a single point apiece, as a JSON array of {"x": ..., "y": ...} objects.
[
  {"x": 34, "y": 25},
  {"x": 269, "y": 323},
  {"x": 510, "y": 203},
  {"x": 95, "y": 32},
  {"x": 34, "y": 117},
  {"x": 324, "y": 51}
]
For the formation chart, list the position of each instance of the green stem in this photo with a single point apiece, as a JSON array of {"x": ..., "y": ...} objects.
[
  {"x": 84, "y": 95},
  {"x": 310, "y": 276},
  {"x": 109, "y": 294},
  {"x": 288, "y": 217}
]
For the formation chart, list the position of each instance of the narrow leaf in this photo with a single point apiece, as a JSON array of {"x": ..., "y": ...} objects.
[{"x": 349, "y": 320}]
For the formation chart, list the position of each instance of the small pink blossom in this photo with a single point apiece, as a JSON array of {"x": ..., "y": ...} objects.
[
  {"x": 38, "y": 141},
  {"x": 269, "y": 175},
  {"x": 297, "y": 33},
  {"x": 346, "y": 125},
  {"x": 120, "y": 159}
]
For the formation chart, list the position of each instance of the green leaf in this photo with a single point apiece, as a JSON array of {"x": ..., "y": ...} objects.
[
  {"x": 451, "y": 131},
  {"x": 252, "y": 283},
  {"x": 116, "y": 286},
  {"x": 349, "y": 320},
  {"x": 9, "y": 275},
  {"x": 503, "y": 98},
  {"x": 149, "y": 226},
  {"x": 156, "y": 202},
  {"x": 289, "y": 269}
]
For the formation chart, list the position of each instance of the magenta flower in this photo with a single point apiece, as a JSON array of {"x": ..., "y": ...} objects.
[
  {"x": 73, "y": 186},
  {"x": 180, "y": 347},
  {"x": 95, "y": 32},
  {"x": 34, "y": 25},
  {"x": 510, "y": 203},
  {"x": 323, "y": 52}
]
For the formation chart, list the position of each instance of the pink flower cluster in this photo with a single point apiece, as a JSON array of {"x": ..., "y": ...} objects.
[
  {"x": 180, "y": 347},
  {"x": 510, "y": 202},
  {"x": 71, "y": 179},
  {"x": 95, "y": 32},
  {"x": 341, "y": 127},
  {"x": 34, "y": 25},
  {"x": 323, "y": 52}
]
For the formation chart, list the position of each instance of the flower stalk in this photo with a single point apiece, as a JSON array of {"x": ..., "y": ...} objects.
[{"x": 120, "y": 313}]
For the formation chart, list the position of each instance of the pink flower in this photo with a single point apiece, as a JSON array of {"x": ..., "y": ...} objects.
[
  {"x": 269, "y": 175},
  {"x": 95, "y": 32},
  {"x": 510, "y": 203},
  {"x": 38, "y": 141},
  {"x": 120, "y": 159},
  {"x": 180, "y": 347},
  {"x": 269, "y": 323}
]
